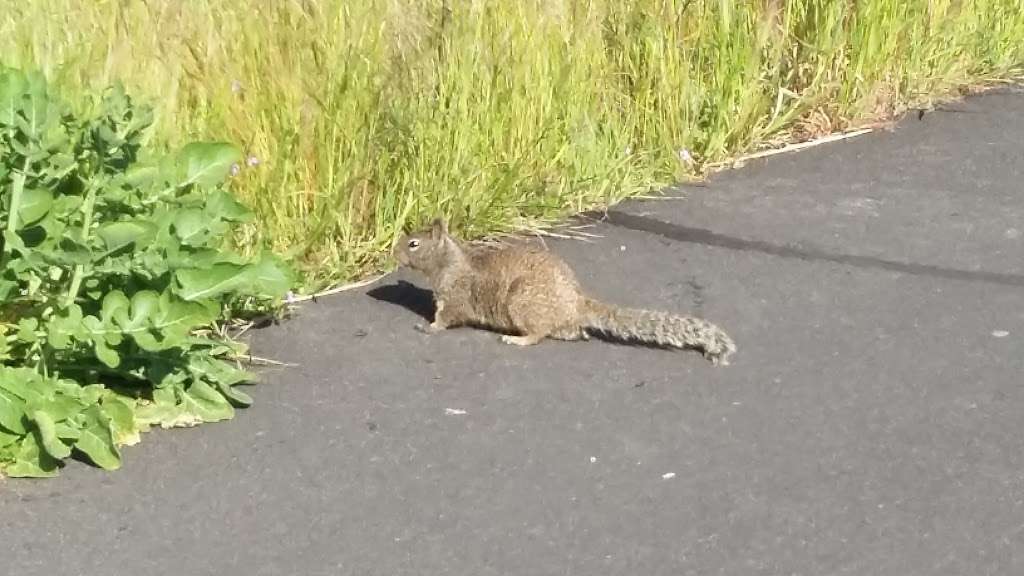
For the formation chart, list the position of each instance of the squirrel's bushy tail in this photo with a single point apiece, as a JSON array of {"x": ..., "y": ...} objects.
[{"x": 659, "y": 328}]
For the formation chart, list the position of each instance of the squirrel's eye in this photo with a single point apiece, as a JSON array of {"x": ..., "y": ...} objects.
[{"x": 414, "y": 244}]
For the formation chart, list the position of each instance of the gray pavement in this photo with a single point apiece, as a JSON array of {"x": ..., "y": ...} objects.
[{"x": 872, "y": 422}]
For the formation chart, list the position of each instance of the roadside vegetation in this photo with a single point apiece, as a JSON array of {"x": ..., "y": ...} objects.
[
  {"x": 360, "y": 117},
  {"x": 114, "y": 274}
]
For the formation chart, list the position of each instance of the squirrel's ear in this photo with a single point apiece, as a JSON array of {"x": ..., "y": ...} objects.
[{"x": 439, "y": 229}]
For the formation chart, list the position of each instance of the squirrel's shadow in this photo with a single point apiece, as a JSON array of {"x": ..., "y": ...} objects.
[{"x": 408, "y": 296}]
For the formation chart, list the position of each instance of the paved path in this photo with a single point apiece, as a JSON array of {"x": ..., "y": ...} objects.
[{"x": 872, "y": 423}]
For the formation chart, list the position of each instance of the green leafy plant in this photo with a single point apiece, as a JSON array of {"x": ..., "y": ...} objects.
[{"x": 113, "y": 267}]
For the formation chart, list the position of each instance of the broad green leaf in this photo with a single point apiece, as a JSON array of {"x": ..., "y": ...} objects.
[
  {"x": 122, "y": 419},
  {"x": 67, "y": 431},
  {"x": 268, "y": 278},
  {"x": 58, "y": 407},
  {"x": 12, "y": 241},
  {"x": 219, "y": 279},
  {"x": 34, "y": 205},
  {"x": 166, "y": 411},
  {"x": 178, "y": 317},
  {"x": 219, "y": 370},
  {"x": 102, "y": 336},
  {"x": 155, "y": 322},
  {"x": 206, "y": 402},
  {"x": 115, "y": 306},
  {"x": 31, "y": 461},
  {"x": 36, "y": 107},
  {"x": 222, "y": 205},
  {"x": 65, "y": 205},
  {"x": 128, "y": 119},
  {"x": 48, "y": 435},
  {"x": 141, "y": 176},
  {"x": 97, "y": 440},
  {"x": 27, "y": 330},
  {"x": 65, "y": 328},
  {"x": 107, "y": 355},
  {"x": 60, "y": 164},
  {"x": 7, "y": 288},
  {"x": 102, "y": 330},
  {"x": 200, "y": 259},
  {"x": 7, "y": 453},
  {"x": 207, "y": 163},
  {"x": 145, "y": 305},
  {"x": 88, "y": 395},
  {"x": 149, "y": 343},
  {"x": 12, "y": 410},
  {"x": 271, "y": 278},
  {"x": 12, "y": 90},
  {"x": 25, "y": 383},
  {"x": 234, "y": 395},
  {"x": 7, "y": 438},
  {"x": 224, "y": 377},
  {"x": 117, "y": 235},
  {"x": 192, "y": 227},
  {"x": 71, "y": 253}
]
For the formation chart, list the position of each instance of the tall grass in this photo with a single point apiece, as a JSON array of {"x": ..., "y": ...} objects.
[{"x": 364, "y": 116}]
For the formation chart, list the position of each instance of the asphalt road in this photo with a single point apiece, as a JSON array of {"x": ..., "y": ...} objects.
[{"x": 872, "y": 422}]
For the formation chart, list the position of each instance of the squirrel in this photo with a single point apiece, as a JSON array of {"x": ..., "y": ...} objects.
[{"x": 530, "y": 294}]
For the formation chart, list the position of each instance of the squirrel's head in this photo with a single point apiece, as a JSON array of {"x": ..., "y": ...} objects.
[{"x": 427, "y": 249}]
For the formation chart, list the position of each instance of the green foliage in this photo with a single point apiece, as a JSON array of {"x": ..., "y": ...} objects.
[
  {"x": 111, "y": 266},
  {"x": 368, "y": 116}
]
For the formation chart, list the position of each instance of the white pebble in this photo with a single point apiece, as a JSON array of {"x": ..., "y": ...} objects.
[
  {"x": 454, "y": 412},
  {"x": 668, "y": 475},
  {"x": 1000, "y": 333}
]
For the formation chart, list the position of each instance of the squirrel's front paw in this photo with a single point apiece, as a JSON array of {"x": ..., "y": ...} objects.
[{"x": 429, "y": 328}]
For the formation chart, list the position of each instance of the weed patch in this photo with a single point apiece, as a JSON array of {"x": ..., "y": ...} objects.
[
  {"x": 112, "y": 269},
  {"x": 364, "y": 117}
]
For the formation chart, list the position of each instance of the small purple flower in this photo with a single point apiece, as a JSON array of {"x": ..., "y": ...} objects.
[
  {"x": 235, "y": 169},
  {"x": 684, "y": 156},
  {"x": 252, "y": 161},
  {"x": 236, "y": 87},
  {"x": 289, "y": 297}
]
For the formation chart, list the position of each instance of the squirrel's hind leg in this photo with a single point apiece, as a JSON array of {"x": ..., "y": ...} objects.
[
  {"x": 532, "y": 314},
  {"x": 564, "y": 333},
  {"x": 570, "y": 333},
  {"x": 527, "y": 340}
]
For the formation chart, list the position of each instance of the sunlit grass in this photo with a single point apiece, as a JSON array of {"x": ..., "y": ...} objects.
[{"x": 365, "y": 116}]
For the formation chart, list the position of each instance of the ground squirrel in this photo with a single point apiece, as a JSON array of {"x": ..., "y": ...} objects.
[{"x": 530, "y": 294}]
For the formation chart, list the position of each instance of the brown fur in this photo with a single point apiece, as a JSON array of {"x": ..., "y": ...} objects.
[{"x": 530, "y": 294}]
